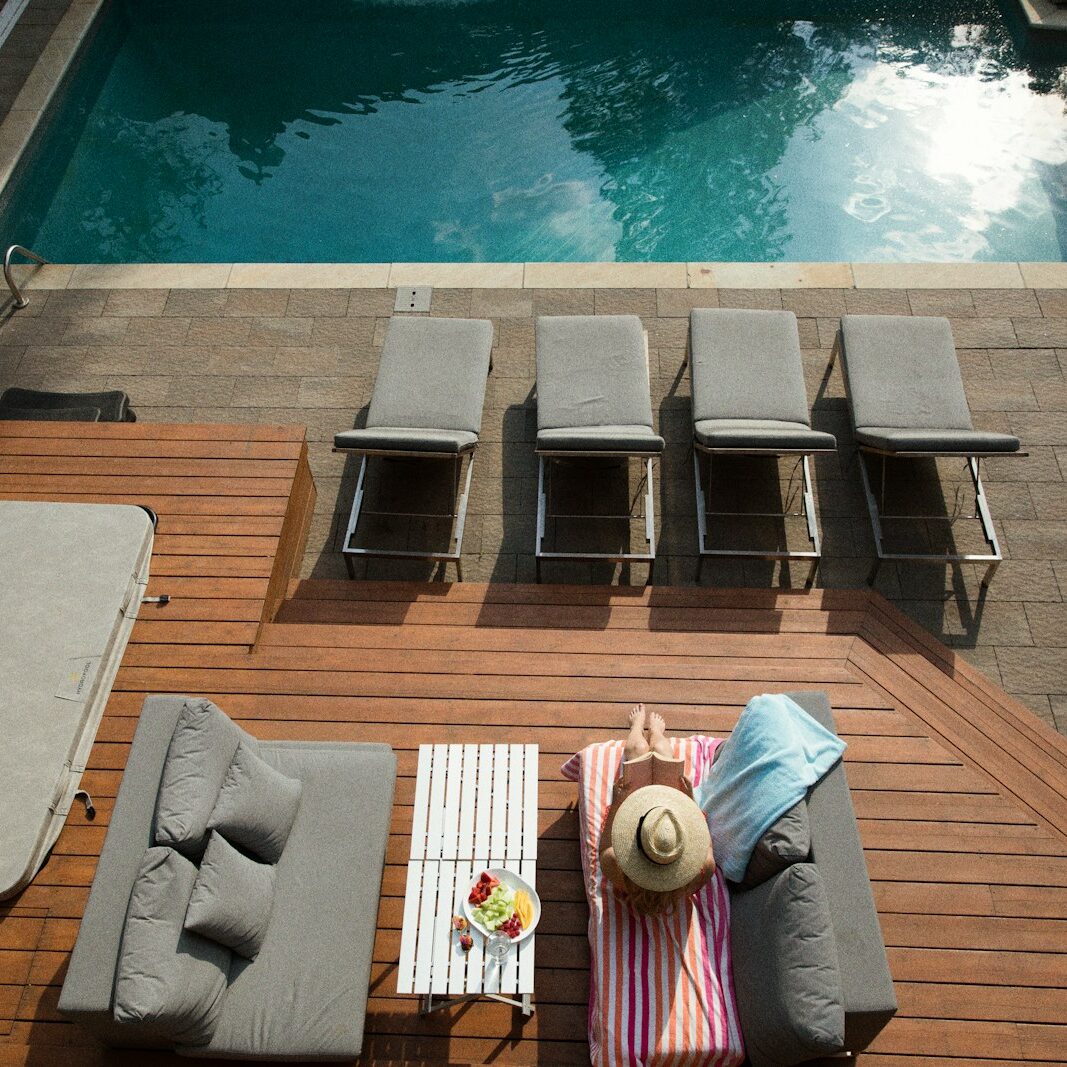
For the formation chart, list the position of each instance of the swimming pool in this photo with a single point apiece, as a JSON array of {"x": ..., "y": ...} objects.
[{"x": 508, "y": 130}]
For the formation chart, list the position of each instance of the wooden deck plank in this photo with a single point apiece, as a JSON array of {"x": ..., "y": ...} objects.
[{"x": 955, "y": 808}]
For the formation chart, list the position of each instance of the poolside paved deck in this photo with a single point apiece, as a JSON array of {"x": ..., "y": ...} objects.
[
  {"x": 309, "y": 356},
  {"x": 961, "y": 793}
]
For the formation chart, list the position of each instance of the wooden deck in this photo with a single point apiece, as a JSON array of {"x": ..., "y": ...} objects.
[{"x": 961, "y": 793}]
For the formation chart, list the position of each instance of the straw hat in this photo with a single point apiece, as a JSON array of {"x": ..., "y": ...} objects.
[{"x": 660, "y": 838}]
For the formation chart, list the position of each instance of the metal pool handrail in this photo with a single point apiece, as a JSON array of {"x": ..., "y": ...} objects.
[{"x": 20, "y": 300}]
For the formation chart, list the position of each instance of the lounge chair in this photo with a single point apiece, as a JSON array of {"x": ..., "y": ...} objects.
[
  {"x": 908, "y": 402},
  {"x": 427, "y": 404},
  {"x": 593, "y": 401},
  {"x": 749, "y": 399}
]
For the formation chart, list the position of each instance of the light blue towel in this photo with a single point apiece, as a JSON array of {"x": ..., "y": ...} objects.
[{"x": 776, "y": 751}]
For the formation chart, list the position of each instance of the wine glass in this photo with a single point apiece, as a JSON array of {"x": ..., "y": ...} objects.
[{"x": 497, "y": 945}]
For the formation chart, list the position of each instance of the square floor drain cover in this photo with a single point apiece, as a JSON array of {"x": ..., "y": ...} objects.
[{"x": 413, "y": 298}]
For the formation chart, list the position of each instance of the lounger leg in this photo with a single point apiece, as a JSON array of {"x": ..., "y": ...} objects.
[
  {"x": 650, "y": 519},
  {"x": 702, "y": 509},
  {"x": 461, "y": 507},
  {"x": 982, "y": 507},
  {"x": 813, "y": 526},
  {"x": 539, "y": 533},
  {"x": 876, "y": 519},
  {"x": 353, "y": 518}
]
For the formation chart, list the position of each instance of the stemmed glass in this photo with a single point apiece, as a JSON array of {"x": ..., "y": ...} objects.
[{"x": 497, "y": 945}]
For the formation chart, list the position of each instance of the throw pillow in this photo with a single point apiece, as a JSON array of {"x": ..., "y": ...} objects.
[
  {"x": 257, "y": 805},
  {"x": 201, "y": 748},
  {"x": 787, "y": 841},
  {"x": 232, "y": 898},
  {"x": 785, "y": 969},
  {"x": 169, "y": 983}
]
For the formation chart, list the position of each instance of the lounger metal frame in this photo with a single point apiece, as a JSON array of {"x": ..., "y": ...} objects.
[
  {"x": 458, "y": 512},
  {"x": 876, "y": 505},
  {"x": 807, "y": 512},
  {"x": 544, "y": 511}
]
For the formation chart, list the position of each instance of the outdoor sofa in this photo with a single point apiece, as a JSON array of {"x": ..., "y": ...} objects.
[
  {"x": 304, "y": 994},
  {"x": 593, "y": 403},
  {"x": 787, "y": 950},
  {"x": 749, "y": 399},
  {"x": 427, "y": 404},
  {"x": 907, "y": 402}
]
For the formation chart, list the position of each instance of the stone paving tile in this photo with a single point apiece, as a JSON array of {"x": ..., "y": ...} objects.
[
  {"x": 130, "y": 302},
  {"x": 317, "y": 303},
  {"x": 310, "y": 357}
]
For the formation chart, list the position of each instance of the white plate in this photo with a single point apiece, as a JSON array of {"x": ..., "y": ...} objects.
[{"x": 512, "y": 881}]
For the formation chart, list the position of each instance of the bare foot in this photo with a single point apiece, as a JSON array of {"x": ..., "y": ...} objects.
[
  {"x": 636, "y": 745},
  {"x": 656, "y": 739}
]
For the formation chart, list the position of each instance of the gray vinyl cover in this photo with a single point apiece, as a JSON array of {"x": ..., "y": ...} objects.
[{"x": 71, "y": 580}]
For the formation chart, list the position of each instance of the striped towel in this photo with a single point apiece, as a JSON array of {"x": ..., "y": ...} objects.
[{"x": 661, "y": 988}]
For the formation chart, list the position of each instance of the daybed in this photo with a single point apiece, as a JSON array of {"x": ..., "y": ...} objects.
[
  {"x": 304, "y": 995},
  {"x": 798, "y": 973}
]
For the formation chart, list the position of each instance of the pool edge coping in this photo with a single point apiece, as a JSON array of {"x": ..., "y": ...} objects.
[
  {"x": 985, "y": 275},
  {"x": 19, "y": 125}
]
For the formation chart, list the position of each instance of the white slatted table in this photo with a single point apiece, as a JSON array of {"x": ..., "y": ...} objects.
[{"x": 475, "y": 807}]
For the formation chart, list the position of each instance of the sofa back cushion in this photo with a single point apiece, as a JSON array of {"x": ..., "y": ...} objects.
[
  {"x": 785, "y": 969},
  {"x": 170, "y": 983},
  {"x": 787, "y": 841},
  {"x": 201, "y": 748},
  {"x": 232, "y": 898},
  {"x": 256, "y": 806}
]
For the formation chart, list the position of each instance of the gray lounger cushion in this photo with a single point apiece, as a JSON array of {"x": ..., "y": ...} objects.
[
  {"x": 170, "y": 982},
  {"x": 431, "y": 377},
  {"x": 257, "y": 805},
  {"x": 200, "y": 752},
  {"x": 787, "y": 841},
  {"x": 905, "y": 388},
  {"x": 786, "y": 970},
  {"x": 748, "y": 381},
  {"x": 232, "y": 898},
  {"x": 592, "y": 385}
]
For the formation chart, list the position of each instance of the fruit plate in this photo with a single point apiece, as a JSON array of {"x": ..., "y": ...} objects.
[{"x": 512, "y": 881}]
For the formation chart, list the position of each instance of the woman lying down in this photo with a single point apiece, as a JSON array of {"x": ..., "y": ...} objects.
[{"x": 655, "y": 845}]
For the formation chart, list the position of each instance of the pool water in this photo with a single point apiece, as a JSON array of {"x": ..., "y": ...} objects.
[{"x": 512, "y": 130}]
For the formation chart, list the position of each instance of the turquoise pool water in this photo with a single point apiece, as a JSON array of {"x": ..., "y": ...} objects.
[{"x": 507, "y": 130}]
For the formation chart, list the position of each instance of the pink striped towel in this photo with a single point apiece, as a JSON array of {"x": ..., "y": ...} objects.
[{"x": 661, "y": 990}]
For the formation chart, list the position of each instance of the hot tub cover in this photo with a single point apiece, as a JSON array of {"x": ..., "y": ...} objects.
[{"x": 71, "y": 581}]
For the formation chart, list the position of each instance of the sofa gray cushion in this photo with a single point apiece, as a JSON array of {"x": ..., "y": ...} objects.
[
  {"x": 761, "y": 433},
  {"x": 169, "y": 981},
  {"x": 627, "y": 439},
  {"x": 257, "y": 805},
  {"x": 201, "y": 748},
  {"x": 431, "y": 375},
  {"x": 592, "y": 371},
  {"x": 786, "y": 971},
  {"x": 305, "y": 996},
  {"x": 787, "y": 841},
  {"x": 903, "y": 375},
  {"x": 232, "y": 898},
  {"x": 392, "y": 439}
]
